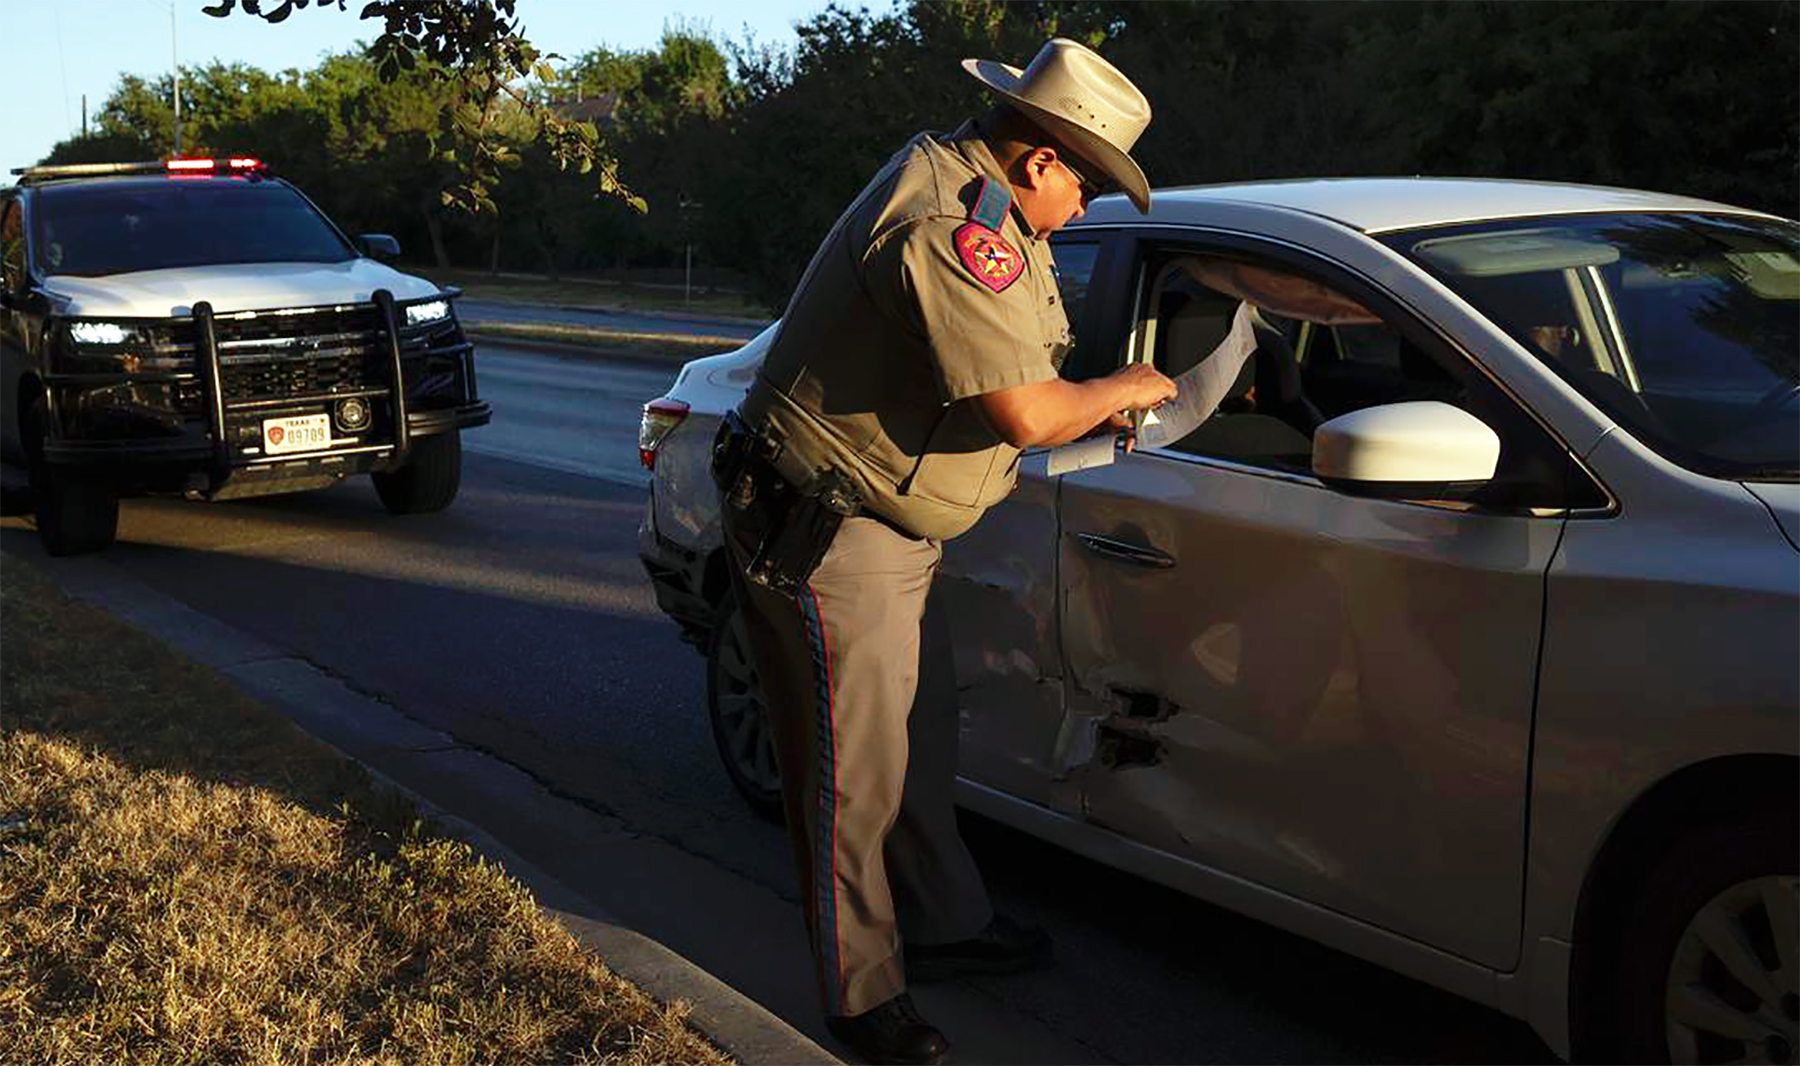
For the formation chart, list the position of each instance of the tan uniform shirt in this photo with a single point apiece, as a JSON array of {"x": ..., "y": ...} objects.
[{"x": 909, "y": 310}]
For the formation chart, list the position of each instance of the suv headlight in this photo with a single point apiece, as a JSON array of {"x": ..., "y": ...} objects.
[
  {"x": 91, "y": 346},
  {"x": 98, "y": 332},
  {"x": 426, "y": 313}
]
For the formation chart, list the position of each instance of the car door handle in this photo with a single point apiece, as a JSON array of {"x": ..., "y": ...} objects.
[{"x": 1135, "y": 554}]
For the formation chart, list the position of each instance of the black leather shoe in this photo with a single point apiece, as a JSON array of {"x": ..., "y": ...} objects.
[
  {"x": 892, "y": 1032},
  {"x": 1004, "y": 946}
]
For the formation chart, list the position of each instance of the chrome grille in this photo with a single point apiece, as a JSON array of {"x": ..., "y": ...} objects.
[{"x": 276, "y": 355}]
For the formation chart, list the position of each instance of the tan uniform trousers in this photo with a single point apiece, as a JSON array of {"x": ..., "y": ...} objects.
[{"x": 861, "y": 699}]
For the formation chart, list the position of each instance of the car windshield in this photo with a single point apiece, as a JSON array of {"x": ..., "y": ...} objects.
[
  {"x": 117, "y": 227},
  {"x": 1684, "y": 328}
]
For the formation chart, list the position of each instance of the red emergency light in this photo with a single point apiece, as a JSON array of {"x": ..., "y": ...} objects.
[{"x": 236, "y": 162}]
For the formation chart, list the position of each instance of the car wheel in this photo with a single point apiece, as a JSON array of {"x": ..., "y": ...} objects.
[
  {"x": 77, "y": 511},
  {"x": 734, "y": 707},
  {"x": 1710, "y": 967},
  {"x": 430, "y": 478}
]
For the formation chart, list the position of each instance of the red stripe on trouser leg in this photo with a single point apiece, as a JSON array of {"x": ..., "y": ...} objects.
[{"x": 829, "y": 939}]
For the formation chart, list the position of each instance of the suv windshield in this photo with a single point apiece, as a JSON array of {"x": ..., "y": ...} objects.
[
  {"x": 1684, "y": 328},
  {"x": 120, "y": 226}
]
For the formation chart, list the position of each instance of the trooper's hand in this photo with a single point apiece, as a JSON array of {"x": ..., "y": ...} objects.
[
  {"x": 1145, "y": 386},
  {"x": 1119, "y": 425}
]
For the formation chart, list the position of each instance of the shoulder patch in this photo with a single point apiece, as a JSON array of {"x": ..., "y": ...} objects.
[
  {"x": 985, "y": 254},
  {"x": 991, "y": 204}
]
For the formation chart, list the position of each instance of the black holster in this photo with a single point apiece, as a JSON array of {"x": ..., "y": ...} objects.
[{"x": 794, "y": 526}]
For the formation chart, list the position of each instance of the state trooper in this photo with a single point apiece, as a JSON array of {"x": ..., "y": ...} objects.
[{"x": 918, "y": 356}]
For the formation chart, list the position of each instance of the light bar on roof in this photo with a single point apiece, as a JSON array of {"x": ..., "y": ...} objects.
[
  {"x": 191, "y": 164},
  {"x": 244, "y": 162}
]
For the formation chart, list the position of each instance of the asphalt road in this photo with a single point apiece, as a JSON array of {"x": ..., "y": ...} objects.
[
  {"x": 564, "y": 412},
  {"x": 521, "y": 622}
]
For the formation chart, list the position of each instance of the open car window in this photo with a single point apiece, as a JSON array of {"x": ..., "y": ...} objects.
[
  {"x": 12, "y": 245},
  {"x": 1265, "y": 415},
  {"x": 1315, "y": 351},
  {"x": 1075, "y": 262}
]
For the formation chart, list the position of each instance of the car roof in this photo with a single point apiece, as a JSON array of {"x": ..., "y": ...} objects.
[
  {"x": 145, "y": 181},
  {"x": 1376, "y": 205}
]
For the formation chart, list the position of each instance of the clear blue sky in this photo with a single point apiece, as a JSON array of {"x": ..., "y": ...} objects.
[{"x": 53, "y": 51}]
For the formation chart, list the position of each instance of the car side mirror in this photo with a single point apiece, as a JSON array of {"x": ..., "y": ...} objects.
[
  {"x": 378, "y": 246},
  {"x": 1423, "y": 449}
]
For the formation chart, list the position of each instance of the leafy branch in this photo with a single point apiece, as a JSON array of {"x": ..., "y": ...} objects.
[{"x": 476, "y": 48}]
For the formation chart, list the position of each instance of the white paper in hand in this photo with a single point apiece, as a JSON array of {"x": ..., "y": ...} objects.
[
  {"x": 1082, "y": 455},
  {"x": 1199, "y": 390}
]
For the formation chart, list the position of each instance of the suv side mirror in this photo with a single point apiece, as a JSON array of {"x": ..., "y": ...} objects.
[
  {"x": 378, "y": 246},
  {"x": 1423, "y": 449}
]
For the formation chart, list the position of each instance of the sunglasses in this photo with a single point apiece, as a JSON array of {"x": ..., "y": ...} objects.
[{"x": 1089, "y": 188}]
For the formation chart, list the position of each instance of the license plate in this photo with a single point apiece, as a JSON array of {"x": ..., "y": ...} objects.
[{"x": 299, "y": 433}]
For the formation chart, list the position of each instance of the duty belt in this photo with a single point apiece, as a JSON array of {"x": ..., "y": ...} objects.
[{"x": 797, "y": 524}]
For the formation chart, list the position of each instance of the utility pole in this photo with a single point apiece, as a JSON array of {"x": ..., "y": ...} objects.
[
  {"x": 689, "y": 211},
  {"x": 175, "y": 67}
]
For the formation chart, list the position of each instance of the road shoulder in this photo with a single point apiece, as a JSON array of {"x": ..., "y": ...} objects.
[{"x": 444, "y": 777}]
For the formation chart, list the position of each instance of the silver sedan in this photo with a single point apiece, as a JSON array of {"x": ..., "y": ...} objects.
[{"x": 1463, "y": 636}]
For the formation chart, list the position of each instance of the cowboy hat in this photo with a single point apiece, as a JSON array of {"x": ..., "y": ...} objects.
[{"x": 1082, "y": 100}]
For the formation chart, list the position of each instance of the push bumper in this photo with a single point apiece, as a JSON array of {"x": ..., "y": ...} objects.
[
  {"x": 463, "y": 416},
  {"x": 128, "y": 426}
]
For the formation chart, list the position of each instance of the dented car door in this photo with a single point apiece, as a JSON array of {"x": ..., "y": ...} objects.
[
  {"x": 1325, "y": 692},
  {"x": 996, "y": 590},
  {"x": 1329, "y": 696}
]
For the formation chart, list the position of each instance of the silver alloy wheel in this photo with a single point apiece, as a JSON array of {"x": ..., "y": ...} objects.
[
  {"x": 740, "y": 710},
  {"x": 1733, "y": 991}
]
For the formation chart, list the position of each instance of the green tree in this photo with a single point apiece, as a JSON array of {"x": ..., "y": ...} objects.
[
  {"x": 816, "y": 124},
  {"x": 223, "y": 105},
  {"x": 100, "y": 147},
  {"x": 475, "y": 48},
  {"x": 1693, "y": 98},
  {"x": 383, "y": 156}
]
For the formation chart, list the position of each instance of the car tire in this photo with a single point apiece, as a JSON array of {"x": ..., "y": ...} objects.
[
  {"x": 1710, "y": 952},
  {"x": 429, "y": 480},
  {"x": 77, "y": 511},
  {"x": 734, "y": 709}
]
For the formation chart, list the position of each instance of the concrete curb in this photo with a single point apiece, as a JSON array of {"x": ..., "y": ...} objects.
[
  {"x": 571, "y": 349},
  {"x": 364, "y": 728},
  {"x": 678, "y": 316},
  {"x": 554, "y": 331},
  {"x": 675, "y": 316}
]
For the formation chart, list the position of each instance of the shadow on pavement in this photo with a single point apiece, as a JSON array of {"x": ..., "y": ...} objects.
[{"x": 529, "y": 640}]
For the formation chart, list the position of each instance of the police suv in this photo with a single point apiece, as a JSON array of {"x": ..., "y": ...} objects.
[{"x": 198, "y": 326}]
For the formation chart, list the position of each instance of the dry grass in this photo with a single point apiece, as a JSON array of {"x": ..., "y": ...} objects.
[
  {"x": 184, "y": 878},
  {"x": 594, "y": 293}
]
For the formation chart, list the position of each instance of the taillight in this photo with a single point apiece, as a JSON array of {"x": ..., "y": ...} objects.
[{"x": 660, "y": 417}]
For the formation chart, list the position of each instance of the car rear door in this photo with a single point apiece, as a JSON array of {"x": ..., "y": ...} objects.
[
  {"x": 1329, "y": 695},
  {"x": 996, "y": 590}
]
